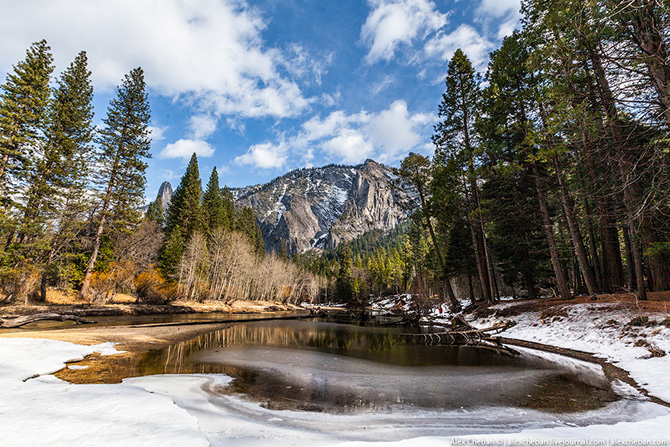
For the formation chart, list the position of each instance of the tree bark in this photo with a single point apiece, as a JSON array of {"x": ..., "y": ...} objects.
[
  {"x": 446, "y": 285},
  {"x": 561, "y": 281},
  {"x": 647, "y": 34},
  {"x": 573, "y": 229}
]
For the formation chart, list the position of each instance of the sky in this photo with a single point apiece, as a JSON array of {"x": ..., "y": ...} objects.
[{"x": 260, "y": 87}]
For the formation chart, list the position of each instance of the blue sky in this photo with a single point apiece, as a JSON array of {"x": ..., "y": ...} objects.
[{"x": 260, "y": 87}]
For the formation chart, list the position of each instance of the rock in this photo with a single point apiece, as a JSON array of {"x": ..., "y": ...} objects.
[{"x": 324, "y": 207}]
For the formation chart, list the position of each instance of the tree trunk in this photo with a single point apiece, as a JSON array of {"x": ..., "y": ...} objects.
[
  {"x": 625, "y": 167},
  {"x": 648, "y": 35},
  {"x": 86, "y": 284},
  {"x": 573, "y": 230},
  {"x": 446, "y": 285},
  {"x": 561, "y": 281},
  {"x": 630, "y": 263}
]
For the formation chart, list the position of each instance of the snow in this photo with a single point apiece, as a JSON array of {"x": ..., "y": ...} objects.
[
  {"x": 47, "y": 411},
  {"x": 36, "y": 408},
  {"x": 600, "y": 329}
]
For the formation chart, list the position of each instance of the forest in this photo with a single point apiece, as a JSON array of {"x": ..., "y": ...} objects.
[
  {"x": 72, "y": 195},
  {"x": 550, "y": 172},
  {"x": 549, "y": 177}
]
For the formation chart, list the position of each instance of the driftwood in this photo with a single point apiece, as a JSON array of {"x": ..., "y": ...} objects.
[
  {"x": 463, "y": 333},
  {"x": 21, "y": 321}
]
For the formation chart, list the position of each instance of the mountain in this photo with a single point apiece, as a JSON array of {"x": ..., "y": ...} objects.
[
  {"x": 323, "y": 207},
  {"x": 319, "y": 207},
  {"x": 165, "y": 193}
]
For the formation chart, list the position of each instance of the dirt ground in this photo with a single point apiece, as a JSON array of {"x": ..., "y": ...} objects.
[{"x": 127, "y": 305}]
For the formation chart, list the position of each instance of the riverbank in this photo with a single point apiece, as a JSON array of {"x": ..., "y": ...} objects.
[
  {"x": 138, "y": 411},
  {"x": 125, "y": 305},
  {"x": 617, "y": 329}
]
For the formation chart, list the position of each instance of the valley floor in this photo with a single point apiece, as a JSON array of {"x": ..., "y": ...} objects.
[{"x": 37, "y": 408}]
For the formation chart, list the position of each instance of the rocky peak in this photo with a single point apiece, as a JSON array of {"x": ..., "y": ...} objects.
[
  {"x": 323, "y": 207},
  {"x": 165, "y": 193}
]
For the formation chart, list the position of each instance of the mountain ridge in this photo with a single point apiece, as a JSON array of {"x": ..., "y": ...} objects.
[{"x": 316, "y": 208}]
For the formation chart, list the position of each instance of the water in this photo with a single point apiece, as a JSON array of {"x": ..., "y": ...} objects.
[{"x": 343, "y": 368}]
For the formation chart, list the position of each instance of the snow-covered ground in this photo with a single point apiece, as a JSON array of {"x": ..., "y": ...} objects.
[
  {"x": 36, "y": 408},
  {"x": 604, "y": 330}
]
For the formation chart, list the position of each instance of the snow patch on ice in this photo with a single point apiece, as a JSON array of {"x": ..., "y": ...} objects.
[{"x": 47, "y": 411}]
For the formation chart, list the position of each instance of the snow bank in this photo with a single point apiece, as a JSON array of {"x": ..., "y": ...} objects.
[
  {"x": 47, "y": 411},
  {"x": 601, "y": 329}
]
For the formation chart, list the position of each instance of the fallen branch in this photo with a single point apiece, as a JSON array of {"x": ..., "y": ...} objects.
[
  {"x": 462, "y": 333},
  {"x": 21, "y": 321}
]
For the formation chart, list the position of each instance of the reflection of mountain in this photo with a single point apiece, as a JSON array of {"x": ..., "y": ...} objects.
[{"x": 323, "y": 207}]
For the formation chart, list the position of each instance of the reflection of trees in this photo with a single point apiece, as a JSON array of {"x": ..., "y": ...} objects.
[{"x": 174, "y": 359}]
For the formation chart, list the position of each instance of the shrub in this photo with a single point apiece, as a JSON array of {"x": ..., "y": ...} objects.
[{"x": 151, "y": 287}]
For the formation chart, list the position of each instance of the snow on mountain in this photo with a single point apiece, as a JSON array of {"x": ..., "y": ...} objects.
[{"x": 323, "y": 207}]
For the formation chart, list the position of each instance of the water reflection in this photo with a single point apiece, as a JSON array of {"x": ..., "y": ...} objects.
[{"x": 323, "y": 366}]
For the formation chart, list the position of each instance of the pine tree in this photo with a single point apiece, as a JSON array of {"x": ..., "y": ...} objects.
[
  {"x": 60, "y": 186},
  {"x": 185, "y": 209},
  {"x": 124, "y": 143},
  {"x": 23, "y": 113},
  {"x": 229, "y": 208},
  {"x": 171, "y": 253},
  {"x": 246, "y": 224},
  {"x": 344, "y": 286},
  {"x": 64, "y": 159},
  {"x": 415, "y": 169},
  {"x": 213, "y": 205},
  {"x": 455, "y": 141},
  {"x": 155, "y": 211}
]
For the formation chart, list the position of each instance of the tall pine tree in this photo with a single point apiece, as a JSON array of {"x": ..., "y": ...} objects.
[
  {"x": 124, "y": 144},
  {"x": 213, "y": 207},
  {"x": 23, "y": 111},
  {"x": 184, "y": 217}
]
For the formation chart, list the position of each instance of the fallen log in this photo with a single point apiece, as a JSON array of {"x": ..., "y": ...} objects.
[
  {"x": 463, "y": 334},
  {"x": 22, "y": 321}
]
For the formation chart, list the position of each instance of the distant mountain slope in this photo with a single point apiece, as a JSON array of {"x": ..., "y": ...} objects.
[{"x": 323, "y": 207}]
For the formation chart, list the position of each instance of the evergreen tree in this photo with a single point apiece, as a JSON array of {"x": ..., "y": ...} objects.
[
  {"x": 184, "y": 216},
  {"x": 228, "y": 208},
  {"x": 23, "y": 113},
  {"x": 185, "y": 209},
  {"x": 456, "y": 143},
  {"x": 171, "y": 253},
  {"x": 124, "y": 143},
  {"x": 60, "y": 184},
  {"x": 344, "y": 287},
  {"x": 64, "y": 158},
  {"x": 213, "y": 205},
  {"x": 155, "y": 211},
  {"x": 246, "y": 224}
]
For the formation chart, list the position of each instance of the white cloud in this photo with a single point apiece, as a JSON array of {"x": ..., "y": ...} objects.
[
  {"x": 167, "y": 174},
  {"x": 265, "y": 156},
  {"x": 202, "y": 126},
  {"x": 185, "y": 148},
  {"x": 394, "y": 131},
  {"x": 385, "y": 136},
  {"x": 158, "y": 132},
  {"x": 507, "y": 28},
  {"x": 499, "y": 8},
  {"x": 465, "y": 37},
  {"x": 302, "y": 65},
  {"x": 208, "y": 52},
  {"x": 505, "y": 13},
  {"x": 350, "y": 147},
  {"x": 392, "y": 23},
  {"x": 378, "y": 87}
]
